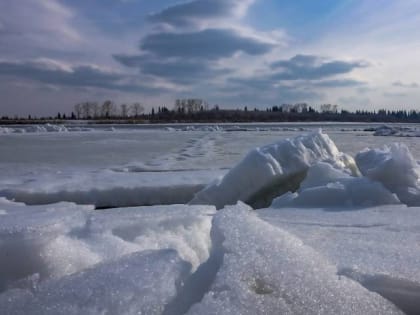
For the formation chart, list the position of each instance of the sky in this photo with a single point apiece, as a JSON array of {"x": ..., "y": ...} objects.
[{"x": 358, "y": 54}]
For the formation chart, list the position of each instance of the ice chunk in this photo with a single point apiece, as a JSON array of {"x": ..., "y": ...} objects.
[
  {"x": 266, "y": 270},
  {"x": 41, "y": 128},
  {"x": 6, "y": 130},
  {"x": 395, "y": 168},
  {"x": 140, "y": 283},
  {"x": 26, "y": 234},
  {"x": 272, "y": 170},
  {"x": 183, "y": 228},
  {"x": 107, "y": 189},
  {"x": 396, "y": 131},
  {"x": 326, "y": 186},
  {"x": 57, "y": 240},
  {"x": 377, "y": 247}
]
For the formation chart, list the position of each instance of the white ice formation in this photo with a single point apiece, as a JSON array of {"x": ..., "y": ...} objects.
[{"x": 273, "y": 170}]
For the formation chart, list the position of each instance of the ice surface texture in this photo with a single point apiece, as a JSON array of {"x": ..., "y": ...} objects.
[
  {"x": 377, "y": 246},
  {"x": 140, "y": 283},
  {"x": 103, "y": 263},
  {"x": 266, "y": 270},
  {"x": 46, "y": 242}
]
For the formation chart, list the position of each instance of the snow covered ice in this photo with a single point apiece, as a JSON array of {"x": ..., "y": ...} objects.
[
  {"x": 272, "y": 170},
  {"x": 395, "y": 168},
  {"x": 266, "y": 270},
  {"x": 335, "y": 230},
  {"x": 325, "y": 186},
  {"x": 397, "y": 131}
]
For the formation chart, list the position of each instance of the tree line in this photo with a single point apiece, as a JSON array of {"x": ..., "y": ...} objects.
[
  {"x": 198, "y": 110},
  {"x": 106, "y": 110}
]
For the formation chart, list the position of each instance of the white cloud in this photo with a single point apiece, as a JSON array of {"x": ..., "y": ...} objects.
[
  {"x": 197, "y": 12},
  {"x": 36, "y": 24}
]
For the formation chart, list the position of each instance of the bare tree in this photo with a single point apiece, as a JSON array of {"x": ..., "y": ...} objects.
[
  {"x": 95, "y": 109},
  {"x": 124, "y": 110},
  {"x": 78, "y": 110},
  {"x": 286, "y": 108},
  {"x": 328, "y": 108},
  {"x": 178, "y": 105},
  {"x": 190, "y": 105},
  {"x": 86, "y": 110},
  {"x": 136, "y": 109},
  {"x": 107, "y": 109}
]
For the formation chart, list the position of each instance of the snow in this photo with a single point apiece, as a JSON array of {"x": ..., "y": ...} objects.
[
  {"x": 40, "y": 129},
  {"x": 339, "y": 236},
  {"x": 56, "y": 240},
  {"x": 325, "y": 186},
  {"x": 377, "y": 246},
  {"x": 108, "y": 188},
  {"x": 270, "y": 271},
  {"x": 232, "y": 263},
  {"x": 128, "y": 291},
  {"x": 397, "y": 131},
  {"x": 269, "y": 171},
  {"x": 394, "y": 167}
]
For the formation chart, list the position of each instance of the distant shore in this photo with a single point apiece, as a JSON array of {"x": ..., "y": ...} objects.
[{"x": 230, "y": 116}]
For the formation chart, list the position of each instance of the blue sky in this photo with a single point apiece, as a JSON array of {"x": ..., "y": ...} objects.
[{"x": 355, "y": 53}]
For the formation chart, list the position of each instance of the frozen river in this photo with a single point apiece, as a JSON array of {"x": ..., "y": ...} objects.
[
  {"x": 332, "y": 234},
  {"x": 67, "y": 163},
  {"x": 166, "y": 147}
]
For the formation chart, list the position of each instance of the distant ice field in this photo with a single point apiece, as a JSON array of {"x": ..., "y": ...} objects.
[
  {"x": 84, "y": 163},
  {"x": 169, "y": 146}
]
